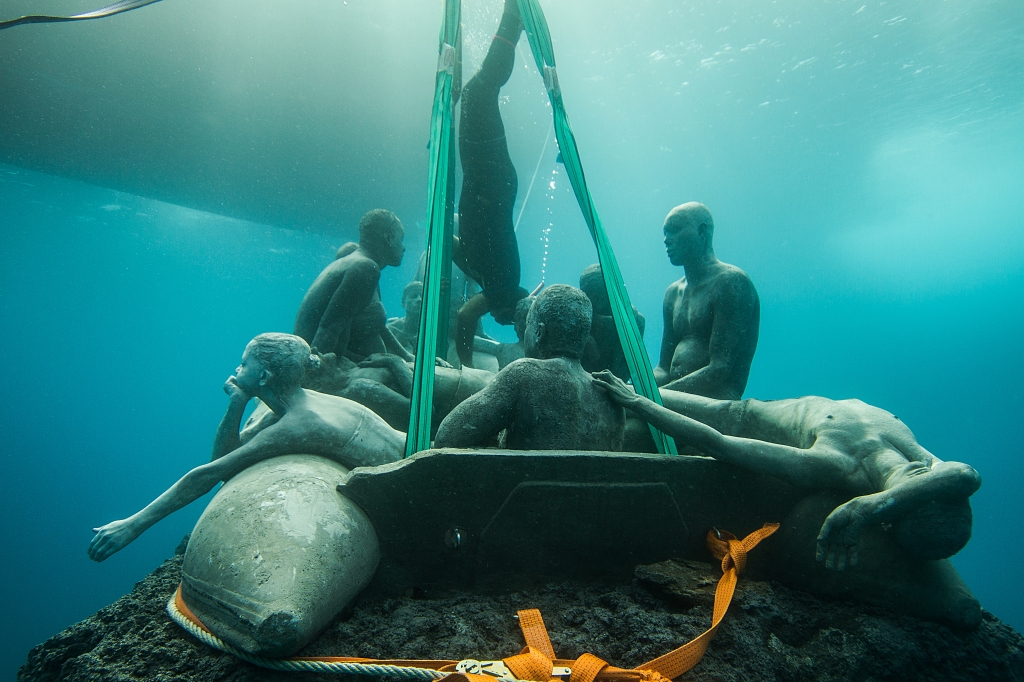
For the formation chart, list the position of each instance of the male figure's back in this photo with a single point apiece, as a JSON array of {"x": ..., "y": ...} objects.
[
  {"x": 711, "y": 315},
  {"x": 546, "y": 401}
]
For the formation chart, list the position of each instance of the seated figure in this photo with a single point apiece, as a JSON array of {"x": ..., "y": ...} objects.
[
  {"x": 306, "y": 422},
  {"x": 819, "y": 443},
  {"x": 604, "y": 350},
  {"x": 406, "y": 329},
  {"x": 545, "y": 401},
  {"x": 711, "y": 315},
  {"x": 342, "y": 312}
]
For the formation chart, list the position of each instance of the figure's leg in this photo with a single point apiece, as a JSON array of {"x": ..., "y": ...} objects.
[
  {"x": 469, "y": 316},
  {"x": 488, "y": 247}
]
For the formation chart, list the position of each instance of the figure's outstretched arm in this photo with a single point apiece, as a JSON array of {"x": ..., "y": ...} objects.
[
  {"x": 228, "y": 438},
  {"x": 350, "y": 298},
  {"x": 733, "y": 340},
  {"x": 813, "y": 468},
  {"x": 117, "y": 535},
  {"x": 469, "y": 316},
  {"x": 477, "y": 420},
  {"x": 945, "y": 481}
]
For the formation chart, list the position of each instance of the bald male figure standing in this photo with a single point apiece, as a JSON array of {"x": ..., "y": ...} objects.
[{"x": 712, "y": 314}]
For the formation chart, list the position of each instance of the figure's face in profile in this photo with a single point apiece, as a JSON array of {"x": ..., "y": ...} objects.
[
  {"x": 249, "y": 373},
  {"x": 391, "y": 245},
  {"x": 684, "y": 241}
]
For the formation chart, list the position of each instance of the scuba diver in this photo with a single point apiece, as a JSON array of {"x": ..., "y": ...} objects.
[{"x": 486, "y": 248}]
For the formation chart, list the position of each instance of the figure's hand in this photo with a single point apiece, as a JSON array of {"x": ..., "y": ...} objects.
[
  {"x": 837, "y": 541},
  {"x": 441, "y": 362},
  {"x": 111, "y": 538},
  {"x": 234, "y": 391},
  {"x": 618, "y": 390},
  {"x": 384, "y": 360}
]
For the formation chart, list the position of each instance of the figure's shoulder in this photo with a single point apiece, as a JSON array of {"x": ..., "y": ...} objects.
[
  {"x": 675, "y": 290},
  {"x": 360, "y": 265},
  {"x": 732, "y": 280}
]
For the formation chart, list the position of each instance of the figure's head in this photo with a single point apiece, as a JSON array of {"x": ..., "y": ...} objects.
[
  {"x": 381, "y": 234},
  {"x": 592, "y": 284},
  {"x": 503, "y": 303},
  {"x": 558, "y": 323},
  {"x": 688, "y": 231},
  {"x": 935, "y": 530},
  {"x": 522, "y": 311},
  {"x": 274, "y": 362},
  {"x": 412, "y": 298}
]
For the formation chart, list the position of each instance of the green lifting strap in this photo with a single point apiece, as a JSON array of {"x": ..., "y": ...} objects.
[
  {"x": 439, "y": 188},
  {"x": 109, "y": 10},
  {"x": 622, "y": 311}
]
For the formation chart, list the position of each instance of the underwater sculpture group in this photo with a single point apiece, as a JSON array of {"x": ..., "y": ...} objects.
[{"x": 279, "y": 552}]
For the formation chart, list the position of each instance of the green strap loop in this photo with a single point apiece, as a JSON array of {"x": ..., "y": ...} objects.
[
  {"x": 109, "y": 10},
  {"x": 439, "y": 189},
  {"x": 622, "y": 311}
]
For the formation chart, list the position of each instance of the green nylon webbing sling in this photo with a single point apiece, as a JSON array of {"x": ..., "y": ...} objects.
[
  {"x": 622, "y": 311},
  {"x": 109, "y": 10},
  {"x": 438, "y": 189}
]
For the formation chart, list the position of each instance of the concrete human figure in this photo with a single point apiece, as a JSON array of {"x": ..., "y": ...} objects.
[
  {"x": 711, "y": 315},
  {"x": 304, "y": 422},
  {"x": 342, "y": 312},
  {"x": 545, "y": 401},
  {"x": 604, "y": 350},
  {"x": 383, "y": 383},
  {"x": 507, "y": 353},
  {"x": 818, "y": 443},
  {"x": 486, "y": 248},
  {"x": 406, "y": 329}
]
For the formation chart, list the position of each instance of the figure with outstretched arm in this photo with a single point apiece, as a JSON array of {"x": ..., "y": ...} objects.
[
  {"x": 486, "y": 248},
  {"x": 299, "y": 421},
  {"x": 819, "y": 443}
]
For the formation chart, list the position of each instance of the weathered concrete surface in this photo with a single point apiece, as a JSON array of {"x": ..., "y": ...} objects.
[
  {"x": 277, "y": 554},
  {"x": 524, "y": 517},
  {"x": 771, "y": 634}
]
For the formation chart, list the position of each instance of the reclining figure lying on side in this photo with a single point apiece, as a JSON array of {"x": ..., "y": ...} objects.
[
  {"x": 308, "y": 422},
  {"x": 820, "y": 443}
]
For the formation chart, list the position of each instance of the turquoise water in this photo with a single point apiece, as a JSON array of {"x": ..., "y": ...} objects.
[{"x": 863, "y": 163}]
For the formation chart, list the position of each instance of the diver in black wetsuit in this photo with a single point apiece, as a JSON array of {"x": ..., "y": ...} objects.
[{"x": 486, "y": 248}]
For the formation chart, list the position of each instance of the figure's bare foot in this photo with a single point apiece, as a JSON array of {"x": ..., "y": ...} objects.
[{"x": 111, "y": 538}]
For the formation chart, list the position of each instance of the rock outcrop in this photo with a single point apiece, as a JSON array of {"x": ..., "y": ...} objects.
[{"x": 771, "y": 633}]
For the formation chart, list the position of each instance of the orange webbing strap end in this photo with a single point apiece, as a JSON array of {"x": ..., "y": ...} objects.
[
  {"x": 733, "y": 554},
  {"x": 535, "y": 633}
]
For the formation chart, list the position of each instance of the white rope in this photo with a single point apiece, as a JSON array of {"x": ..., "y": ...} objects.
[
  {"x": 338, "y": 667},
  {"x": 540, "y": 160}
]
